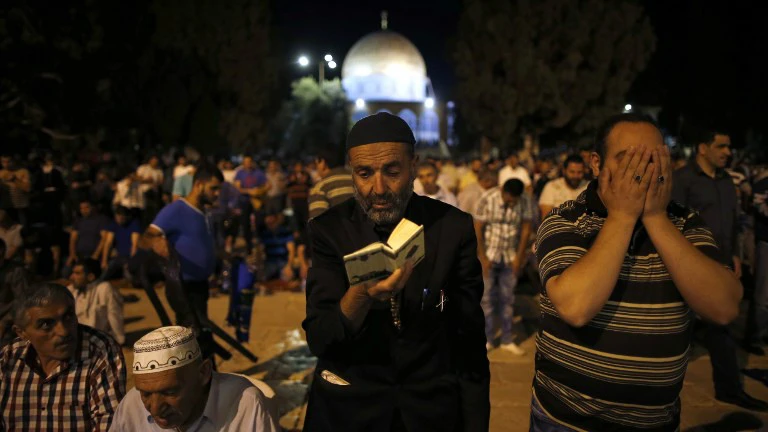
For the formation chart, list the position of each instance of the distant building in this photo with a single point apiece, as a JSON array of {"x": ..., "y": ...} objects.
[{"x": 384, "y": 71}]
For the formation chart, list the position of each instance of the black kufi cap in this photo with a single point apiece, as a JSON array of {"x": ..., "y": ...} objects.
[{"x": 380, "y": 127}]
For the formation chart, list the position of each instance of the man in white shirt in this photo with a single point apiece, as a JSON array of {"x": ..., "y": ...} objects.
[
  {"x": 514, "y": 170},
  {"x": 97, "y": 303},
  {"x": 427, "y": 175},
  {"x": 177, "y": 390},
  {"x": 468, "y": 198},
  {"x": 566, "y": 188},
  {"x": 150, "y": 173},
  {"x": 182, "y": 167}
]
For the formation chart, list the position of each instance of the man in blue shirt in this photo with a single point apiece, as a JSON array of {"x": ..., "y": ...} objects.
[
  {"x": 252, "y": 184},
  {"x": 182, "y": 225},
  {"x": 123, "y": 235}
]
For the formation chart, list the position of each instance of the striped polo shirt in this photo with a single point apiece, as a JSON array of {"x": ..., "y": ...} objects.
[
  {"x": 330, "y": 191},
  {"x": 624, "y": 370}
]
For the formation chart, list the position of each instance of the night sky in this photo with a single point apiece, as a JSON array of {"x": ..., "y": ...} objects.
[{"x": 705, "y": 65}]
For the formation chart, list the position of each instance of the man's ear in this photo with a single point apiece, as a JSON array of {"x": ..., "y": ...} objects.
[
  {"x": 594, "y": 164},
  {"x": 206, "y": 371},
  {"x": 699, "y": 149},
  {"x": 19, "y": 332}
]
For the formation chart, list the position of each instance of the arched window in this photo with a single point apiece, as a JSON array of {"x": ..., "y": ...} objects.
[
  {"x": 429, "y": 126},
  {"x": 410, "y": 118}
]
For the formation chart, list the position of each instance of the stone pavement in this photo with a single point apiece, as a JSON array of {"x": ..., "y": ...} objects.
[{"x": 286, "y": 365}]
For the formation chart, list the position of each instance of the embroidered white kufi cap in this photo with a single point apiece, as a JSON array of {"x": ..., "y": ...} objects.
[{"x": 164, "y": 349}]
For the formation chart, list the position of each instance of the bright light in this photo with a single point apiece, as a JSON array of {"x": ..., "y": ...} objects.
[
  {"x": 363, "y": 71},
  {"x": 328, "y": 57},
  {"x": 332, "y": 64},
  {"x": 360, "y": 104},
  {"x": 303, "y": 60},
  {"x": 429, "y": 103},
  {"x": 627, "y": 107}
]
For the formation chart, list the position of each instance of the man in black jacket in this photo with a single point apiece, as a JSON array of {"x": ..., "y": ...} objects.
[{"x": 406, "y": 353}]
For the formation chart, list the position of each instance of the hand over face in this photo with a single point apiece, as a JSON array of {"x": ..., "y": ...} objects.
[
  {"x": 660, "y": 190},
  {"x": 624, "y": 192}
]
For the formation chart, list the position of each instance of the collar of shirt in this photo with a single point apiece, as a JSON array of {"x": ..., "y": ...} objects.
[
  {"x": 719, "y": 173},
  {"x": 29, "y": 356},
  {"x": 210, "y": 413}
]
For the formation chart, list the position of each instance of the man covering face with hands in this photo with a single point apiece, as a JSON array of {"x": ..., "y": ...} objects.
[{"x": 622, "y": 268}]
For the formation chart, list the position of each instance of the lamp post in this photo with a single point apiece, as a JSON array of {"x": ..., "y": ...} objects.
[{"x": 328, "y": 59}]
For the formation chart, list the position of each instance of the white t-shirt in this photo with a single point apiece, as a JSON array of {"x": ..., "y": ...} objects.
[
  {"x": 519, "y": 173},
  {"x": 146, "y": 171},
  {"x": 557, "y": 191},
  {"x": 179, "y": 171}
]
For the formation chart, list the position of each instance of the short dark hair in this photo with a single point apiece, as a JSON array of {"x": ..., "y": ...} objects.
[
  {"x": 574, "y": 158},
  {"x": 90, "y": 266},
  {"x": 38, "y": 295},
  {"x": 122, "y": 211},
  {"x": 694, "y": 134},
  {"x": 487, "y": 174},
  {"x": 333, "y": 156},
  {"x": 427, "y": 164},
  {"x": 513, "y": 187},
  {"x": 605, "y": 129},
  {"x": 206, "y": 172}
]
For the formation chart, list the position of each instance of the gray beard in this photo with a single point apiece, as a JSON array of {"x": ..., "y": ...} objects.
[{"x": 390, "y": 216}]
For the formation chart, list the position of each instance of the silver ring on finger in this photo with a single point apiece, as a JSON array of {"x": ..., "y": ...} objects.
[
  {"x": 661, "y": 179},
  {"x": 638, "y": 178}
]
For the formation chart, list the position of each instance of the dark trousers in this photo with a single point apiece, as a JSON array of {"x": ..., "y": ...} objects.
[
  {"x": 722, "y": 354},
  {"x": 191, "y": 308},
  {"x": 191, "y": 305},
  {"x": 246, "y": 210}
]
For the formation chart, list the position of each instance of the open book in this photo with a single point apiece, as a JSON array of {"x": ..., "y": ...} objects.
[{"x": 379, "y": 260}]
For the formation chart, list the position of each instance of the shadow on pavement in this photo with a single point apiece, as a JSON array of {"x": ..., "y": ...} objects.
[{"x": 733, "y": 422}]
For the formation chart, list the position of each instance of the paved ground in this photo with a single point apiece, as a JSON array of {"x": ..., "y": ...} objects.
[{"x": 286, "y": 365}]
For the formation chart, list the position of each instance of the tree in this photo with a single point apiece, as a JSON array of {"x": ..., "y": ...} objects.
[
  {"x": 313, "y": 118},
  {"x": 217, "y": 75},
  {"x": 547, "y": 65},
  {"x": 62, "y": 69}
]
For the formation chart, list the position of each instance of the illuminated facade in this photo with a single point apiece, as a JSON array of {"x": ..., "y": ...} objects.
[{"x": 384, "y": 71}]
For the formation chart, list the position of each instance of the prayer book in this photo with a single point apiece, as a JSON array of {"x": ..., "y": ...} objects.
[{"x": 379, "y": 260}]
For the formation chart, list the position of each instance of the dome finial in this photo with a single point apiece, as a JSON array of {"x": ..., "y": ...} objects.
[{"x": 384, "y": 21}]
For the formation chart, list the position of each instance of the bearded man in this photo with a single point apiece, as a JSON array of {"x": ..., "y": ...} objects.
[{"x": 406, "y": 353}]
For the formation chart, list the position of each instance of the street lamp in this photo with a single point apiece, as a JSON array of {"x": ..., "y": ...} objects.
[
  {"x": 304, "y": 62},
  {"x": 359, "y": 103},
  {"x": 627, "y": 108}
]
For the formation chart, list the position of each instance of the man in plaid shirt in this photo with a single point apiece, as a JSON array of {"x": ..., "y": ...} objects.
[
  {"x": 57, "y": 375},
  {"x": 503, "y": 226}
]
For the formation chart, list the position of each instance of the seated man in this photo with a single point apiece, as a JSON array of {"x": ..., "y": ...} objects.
[
  {"x": 176, "y": 389},
  {"x": 88, "y": 235},
  {"x": 97, "y": 303},
  {"x": 58, "y": 375},
  {"x": 13, "y": 281},
  {"x": 279, "y": 246}
]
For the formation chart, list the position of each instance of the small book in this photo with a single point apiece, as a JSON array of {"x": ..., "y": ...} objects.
[{"x": 379, "y": 260}]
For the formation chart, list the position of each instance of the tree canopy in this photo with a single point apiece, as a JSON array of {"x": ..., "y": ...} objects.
[
  {"x": 314, "y": 118},
  {"x": 172, "y": 72},
  {"x": 547, "y": 65}
]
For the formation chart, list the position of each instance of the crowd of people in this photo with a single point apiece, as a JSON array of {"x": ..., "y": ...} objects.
[{"x": 629, "y": 246}]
